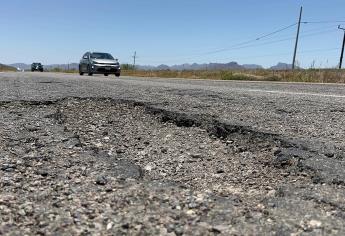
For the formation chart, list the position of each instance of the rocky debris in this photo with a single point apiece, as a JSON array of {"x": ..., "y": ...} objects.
[
  {"x": 196, "y": 155},
  {"x": 96, "y": 166},
  {"x": 101, "y": 180}
]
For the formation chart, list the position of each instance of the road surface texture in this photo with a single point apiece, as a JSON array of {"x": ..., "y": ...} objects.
[{"x": 132, "y": 156}]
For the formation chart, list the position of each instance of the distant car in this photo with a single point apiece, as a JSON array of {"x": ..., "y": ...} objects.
[
  {"x": 99, "y": 63},
  {"x": 36, "y": 66}
]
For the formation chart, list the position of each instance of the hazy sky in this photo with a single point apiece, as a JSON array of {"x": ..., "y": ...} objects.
[{"x": 170, "y": 32}]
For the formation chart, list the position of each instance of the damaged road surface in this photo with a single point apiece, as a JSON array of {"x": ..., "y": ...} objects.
[
  {"x": 94, "y": 163},
  {"x": 85, "y": 166}
]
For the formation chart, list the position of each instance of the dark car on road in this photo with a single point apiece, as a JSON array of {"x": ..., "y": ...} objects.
[
  {"x": 99, "y": 63},
  {"x": 36, "y": 66}
]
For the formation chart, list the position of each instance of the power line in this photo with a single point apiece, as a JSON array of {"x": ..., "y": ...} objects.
[
  {"x": 288, "y": 53},
  {"x": 319, "y": 27},
  {"x": 277, "y": 31},
  {"x": 282, "y": 54},
  {"x": 277, "y": 41},
  {"x": 244, "y": 44},
  {"x": 269, "y": 34},
  {"x": 238, "y": 45},
  {"x": 253, "y": 42},
  {"x": 317, "y": 33},
  {"x": 250, "y": 41},
  {"x": 312, "y": 32},
  {"x": 322, "y": 22},
  {"x": 257, "y": 44}
]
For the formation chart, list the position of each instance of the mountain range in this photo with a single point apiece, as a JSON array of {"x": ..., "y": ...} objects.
[
  {"x": 214, "y": 66},
  {"x": 194, "y": 66}
]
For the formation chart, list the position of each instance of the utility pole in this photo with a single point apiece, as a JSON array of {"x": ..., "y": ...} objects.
[
  {"x": 296, "y": 43},
  {"x": 134, "y": 57},
  {"x": 342, "y": 48}
]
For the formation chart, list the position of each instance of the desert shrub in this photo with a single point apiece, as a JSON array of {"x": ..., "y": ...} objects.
[{"x": 310, "y": 75}]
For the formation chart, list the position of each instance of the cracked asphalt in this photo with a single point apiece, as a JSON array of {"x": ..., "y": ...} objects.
[{"x": 150, "y": 156}]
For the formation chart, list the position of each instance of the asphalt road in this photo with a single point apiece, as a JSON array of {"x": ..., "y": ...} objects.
[
  {"x": 307, "y": 111},
  {"x": 310, "y": 113},
  {"x": 254, "y": 157}
]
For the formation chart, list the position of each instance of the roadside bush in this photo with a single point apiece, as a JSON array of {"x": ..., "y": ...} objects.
[
  {"x": 127, "y": 67},
  {"x": 310, "y": 75}
]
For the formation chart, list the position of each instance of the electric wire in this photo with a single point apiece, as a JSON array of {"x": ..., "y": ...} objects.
[
  {"x": 322, "y": 22},
  {"x": 263, "y": 44},
  {"x": 250, "y": 41},
  {"x": 253, "y": 42},
  {"x": 283, "y": 53}
]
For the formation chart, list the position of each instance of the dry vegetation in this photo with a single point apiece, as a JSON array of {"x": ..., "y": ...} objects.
[
  {"x": 310, "y": 75},
  {"x": 7, "y": 68}
]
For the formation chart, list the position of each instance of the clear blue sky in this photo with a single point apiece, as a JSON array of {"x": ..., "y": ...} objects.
[{"x": 169, "y": 32}]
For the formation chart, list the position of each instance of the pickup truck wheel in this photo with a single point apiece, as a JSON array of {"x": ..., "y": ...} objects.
[
  {"x": 117, "y": 74},
  {"x": 105, "y": 74}
]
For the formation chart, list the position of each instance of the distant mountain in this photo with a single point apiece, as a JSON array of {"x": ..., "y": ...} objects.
[
  {"x": 226, "y": 66},
  {"x": 187, "y": 66},
  {"x": 145, "y": 67},
  {"x": 281, "y": 66},
  {"x": 21, "y": 66},
  {"x": 7, "y": 68},
  {"x": 194, "y": 66},
  {"x": 252, "y": 66},
  {"x": 163, "y": 67}
]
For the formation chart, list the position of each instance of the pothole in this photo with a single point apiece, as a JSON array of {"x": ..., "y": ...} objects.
[
  {"x": 116, "y": 162},
  {"x": 208, "y": 156}
]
